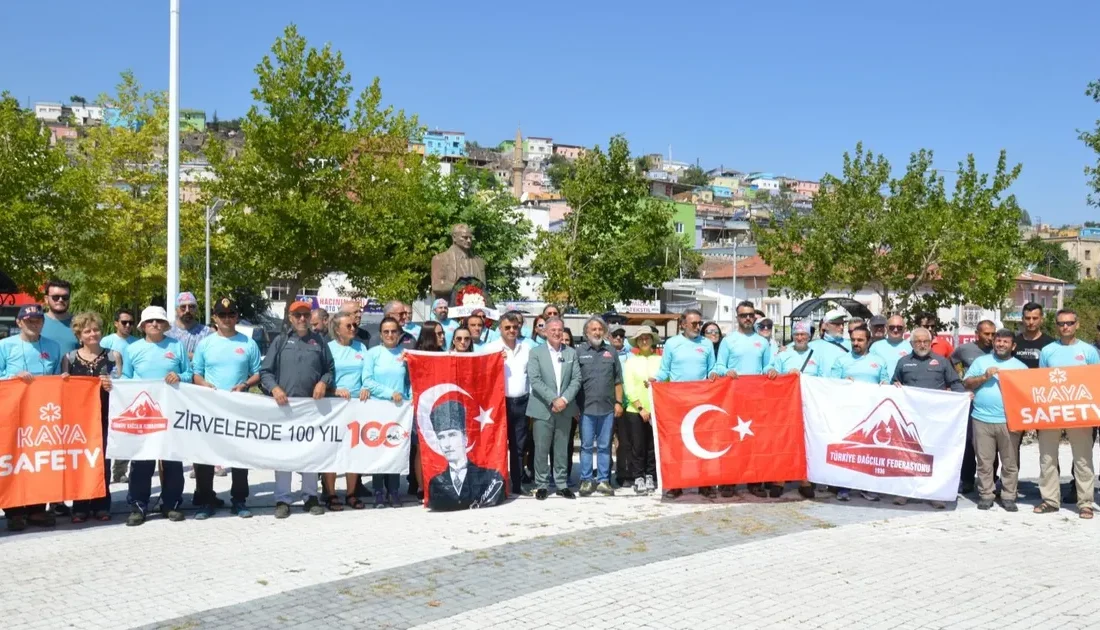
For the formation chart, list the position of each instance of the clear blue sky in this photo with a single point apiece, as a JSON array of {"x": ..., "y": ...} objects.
[{"x": 781, "y": 87}]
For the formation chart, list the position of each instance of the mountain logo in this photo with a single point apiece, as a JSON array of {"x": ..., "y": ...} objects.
[
  {"x": 884, "y": 444},
  {"x": 143, "y": 416}
]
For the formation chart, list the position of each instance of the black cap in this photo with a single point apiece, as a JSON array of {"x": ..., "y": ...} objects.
[
  {"x": 225, "y": 306},
  {"x": 619, "y": 331},
  {"x": 449, "y": 416},
  {"x": 877, "y": 320}
]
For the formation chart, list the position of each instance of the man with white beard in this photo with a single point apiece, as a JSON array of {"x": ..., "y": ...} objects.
[{"x": 927, "y": 370}]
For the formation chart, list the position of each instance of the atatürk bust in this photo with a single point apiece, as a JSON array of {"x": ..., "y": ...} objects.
[{"x": 456, "y": 263}]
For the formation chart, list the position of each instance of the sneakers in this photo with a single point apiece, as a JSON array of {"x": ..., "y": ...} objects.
[
  {"x": 843, "y": 495},
  {"x": 566, "y": 493},
  {"x": 650, "y": 484},
  {"x": 379, "y": 499},
  {"x": 727, "y": 492},
  {"x": 587, "y": 488},
  {"x": 639, "y": 485},
  {"x": 541, "y": 494},
  {"x": 240, "y": 510},
  {"x": 313, "y": 506},
  {"x": 1009, "y": 506},
  {"x": 605, "y": 489},
  {"x": 675, "y": 493},
  {"x": 204, "y": 513},
  {"x": 870, "y": 496},
  {"x": 282, "y": 510},
  {"x": 174, "y": 514},
  {"x": 707, "y": 492},
  {"x": 985, "y": 504},
  {"x": 123, "y": 478},
  {"x": 807, "y": 492},
  {"x": 395, "y": 501},
  {"x": 137, "y": 516},
  {"x": 900, "y": 500}
]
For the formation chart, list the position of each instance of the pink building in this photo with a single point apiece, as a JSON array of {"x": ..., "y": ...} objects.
[
  {"x": 568, "y": 151},
  {"x": 805, "y": 187},
  {"x": 533, "y": 183},
  {"x": 61, "y": 132}
]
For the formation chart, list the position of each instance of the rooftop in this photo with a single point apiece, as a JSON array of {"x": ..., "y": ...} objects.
[{"x": 721, "y": 267}]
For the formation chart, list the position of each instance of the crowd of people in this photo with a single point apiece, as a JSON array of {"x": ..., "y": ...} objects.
[{"x": 555, "y": 385}]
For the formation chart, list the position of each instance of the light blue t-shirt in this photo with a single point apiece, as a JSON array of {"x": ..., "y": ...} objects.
[
  {"x": 40, "y": 358},
  {"x": 144, "y": 359},
  {"x": 383, "y": 374},
  {"x": 684, "y": 359},
  {"x": 449, "y": 327},
  {"x": 116, "y": 342},
  {"x": 868, "y": 368},
  {"x": 413, "y": 329},
  {"x": 61, "y": 333},
  {"x": 349, "y": 365},
  {"x": 1058, "y": 354},
  {"x": 826, "y": 353},
  {"x": 744, "y": 354},
  {"x": 989, "y": 406},
  {"x": 891, "y": 353},
  {"x": 226, "y": 361},
  {"x": 790, "y": 361}
]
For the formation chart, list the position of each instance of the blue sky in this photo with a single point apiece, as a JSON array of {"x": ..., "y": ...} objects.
[{"x": 781, "y": 87}]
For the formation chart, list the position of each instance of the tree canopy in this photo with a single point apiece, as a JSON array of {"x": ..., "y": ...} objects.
[
  {"x": 1092, "y": 141},
  {"x": 1051, "y": 260},
  {"x": 48, "y": 205},
  {"x": 904, "y": 238},
  {"x": 694, "y": 176},
  {"x": 618, "y": 243}
]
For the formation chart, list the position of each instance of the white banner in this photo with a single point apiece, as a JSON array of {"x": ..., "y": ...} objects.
[
  {"x": 895, "y": 440},
  {"x": 188, "y": 423}
]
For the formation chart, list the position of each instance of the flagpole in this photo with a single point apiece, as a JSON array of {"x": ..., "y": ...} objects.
[{"x": 173, "y": 268}]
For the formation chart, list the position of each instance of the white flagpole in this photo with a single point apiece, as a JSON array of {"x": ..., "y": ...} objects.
[{"x": 173, "y": 154}]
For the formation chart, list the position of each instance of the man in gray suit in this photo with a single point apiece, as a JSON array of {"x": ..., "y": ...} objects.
[{"x": 555, "y": 378}]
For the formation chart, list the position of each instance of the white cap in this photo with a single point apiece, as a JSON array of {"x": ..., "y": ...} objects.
[
  {"x": 151, "y": 313},
  {"x": 835, "y": 314}
]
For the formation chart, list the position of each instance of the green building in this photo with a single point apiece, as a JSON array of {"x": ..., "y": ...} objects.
[{"x": 192, "y": 120}]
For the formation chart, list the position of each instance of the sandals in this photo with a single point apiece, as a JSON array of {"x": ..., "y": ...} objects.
[
  {"x": 1085, "y": 513},
  {"x": 334, "y": 504},
  {"x": 1046, "y": 508},
  {"x": 79, "y": 517},
  {"x": 102, "y": 516},
  {"x": 354, "y": 503}
]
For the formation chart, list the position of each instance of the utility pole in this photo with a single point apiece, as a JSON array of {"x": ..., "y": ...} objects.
[{"x": 173, "y": 267}]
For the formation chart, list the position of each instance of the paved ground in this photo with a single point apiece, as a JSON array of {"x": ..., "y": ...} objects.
[{"x": 622, "y": 562}]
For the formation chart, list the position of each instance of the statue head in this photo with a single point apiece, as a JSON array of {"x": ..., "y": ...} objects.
[{"x": 463, "y": 237}]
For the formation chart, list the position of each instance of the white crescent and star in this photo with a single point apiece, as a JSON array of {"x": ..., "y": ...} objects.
[
  {"x": 427, "y": 402},
  {"x": 687, "y": 432}
]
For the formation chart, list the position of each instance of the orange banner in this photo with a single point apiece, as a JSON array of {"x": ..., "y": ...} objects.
[
  {"x": 1051, "y": 398},
  {"x": 51, "y": 441}
]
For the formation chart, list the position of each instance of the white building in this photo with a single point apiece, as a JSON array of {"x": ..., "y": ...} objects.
[
  {"x": 538, "y": 149},
  {"x": 87, "y": 114},
  {"x": 764, "y": 183},
  {"x": 49, "y": 112},
  {"x": 717, "y": 292},
  {"x": 530, "y": 284}
]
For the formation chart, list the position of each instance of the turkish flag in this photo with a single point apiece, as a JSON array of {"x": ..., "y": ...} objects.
[
  {"x": 462, "y": 427},
  {"x": 728, "y": 431}
]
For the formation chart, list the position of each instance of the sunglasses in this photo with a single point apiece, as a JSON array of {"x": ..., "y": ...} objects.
[
  {"x": 125, "y": 322},
  {"x": 60, "y": 298},
  {"x": 540, "y": 326},
  {"x": 896, "y": 328},
  {"x": 693, "y": 324},
  {"x": 348, "y": 326},
  {"x": 508, "y": 327},
  {"x": 710, "y": 332},
  {"x": 765, "y": 327},
  {"x": 1061, "y": 324},
  {"x": 299, "y": 315},
  {"x": 746, "y": 315},
  {"x": 462, "y": 339}
]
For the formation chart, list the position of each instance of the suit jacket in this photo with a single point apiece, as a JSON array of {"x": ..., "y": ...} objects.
[
  {"x": 543, "y": 386},
  {"x": 484, "y": 486}
]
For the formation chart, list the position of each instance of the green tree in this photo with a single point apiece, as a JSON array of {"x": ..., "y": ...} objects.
[
  {"x": 1051, "y": 260},
  {"x": 47, "y": 202},
  {"x": 694, "y": 176},
  {"x": 617, "y": 243},
  {"x": 905, "y": 238},
  {"x": 124, "y": 263},
  {"x": 1092, "y": 141},
  {"x": 324, "y": 186},
  {"x": 215, "y": 124},
  {"x": 78, "y": 99},
  {"x": 559, "y": 170},
  {"x": 1086, "y": 301}
]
